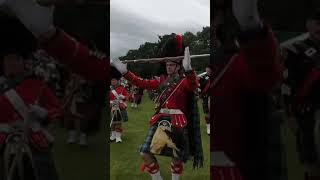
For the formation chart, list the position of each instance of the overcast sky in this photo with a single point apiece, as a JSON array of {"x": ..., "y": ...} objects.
[{"x": 134, "y": 22}]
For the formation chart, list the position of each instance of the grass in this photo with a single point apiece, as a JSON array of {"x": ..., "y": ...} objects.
[
  {"x": 295, "y": 170},
  {"x": 85, "y": 163},
  {"x": 81, "y": 163},
  {"x": 125, "y": 160}
]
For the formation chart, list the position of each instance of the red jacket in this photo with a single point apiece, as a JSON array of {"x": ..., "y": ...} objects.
[
  {"x": 29, "y": 91},
  {"x": 177, "y": 101},
  {"x": 77, "y": 57},
  {"x": 255, "y": 70},
  {"x": 120, "y": 91}
]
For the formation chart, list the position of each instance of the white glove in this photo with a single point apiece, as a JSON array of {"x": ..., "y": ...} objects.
[
  {"x": 38, "y": 19},
  {"x": 122, "y": 68},
  {"x": 246, "y": 12},
  {"x": 186, "y": 62},
  {"x": 38, "y": 112}
]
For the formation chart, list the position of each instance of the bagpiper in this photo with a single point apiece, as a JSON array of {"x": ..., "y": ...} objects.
[
  {"x": 28, "y": 108},
  {"x": 137, "y": 94},
  {"x": 118, "y": 95},
  {"x": 245, "y": 73}
]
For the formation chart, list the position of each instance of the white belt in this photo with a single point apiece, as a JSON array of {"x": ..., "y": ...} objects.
[
  {"x": 219, "y": 158},
  {"x": 170, "y": 111}
]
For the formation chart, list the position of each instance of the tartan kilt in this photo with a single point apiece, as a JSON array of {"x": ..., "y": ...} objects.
[
  {"x": 120, "y": 117},
  {"x": 124, "y": 114},
  {"x": 183, "y": 145}
]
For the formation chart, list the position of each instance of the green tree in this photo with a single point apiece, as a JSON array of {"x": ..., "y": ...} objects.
[{"x": 199, "y": 43}]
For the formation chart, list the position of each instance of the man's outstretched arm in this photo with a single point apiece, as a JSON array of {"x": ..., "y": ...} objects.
[{"x": 39, "y": 20}]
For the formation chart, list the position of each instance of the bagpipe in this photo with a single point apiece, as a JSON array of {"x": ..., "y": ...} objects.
[{"x": 116, "y": 114}]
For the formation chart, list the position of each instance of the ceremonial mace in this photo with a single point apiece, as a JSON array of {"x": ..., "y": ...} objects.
[{"x": 165, "y": 59}]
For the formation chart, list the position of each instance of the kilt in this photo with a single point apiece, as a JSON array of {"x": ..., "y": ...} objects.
[
  {"x": 124, "y": 114},
  {"x": 120, "y": 117},
  {"x": 145, "y": 147},
  {"x": 183, "y": 145}
]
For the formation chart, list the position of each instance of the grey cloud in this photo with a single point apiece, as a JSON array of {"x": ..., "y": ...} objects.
[{"x": 129, "y": 30}]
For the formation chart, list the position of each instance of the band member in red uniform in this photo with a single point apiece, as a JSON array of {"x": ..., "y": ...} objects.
[
  {"x": 118, "y": 95},
  {"x": 176, "y": 113},
  {"x": 80, "y": 109},
  {"x": 238, "y": 144},
  {"x": 137, "y": 94},
  {"x": 28, "y": 108}
]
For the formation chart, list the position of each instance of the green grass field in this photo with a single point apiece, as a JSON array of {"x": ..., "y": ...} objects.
[
  {"x": 81, "y": 163},
  {"x": 125, "y": 160},
  {"x": 294, "y": 168},
  {"x": 91, "y": 163}
]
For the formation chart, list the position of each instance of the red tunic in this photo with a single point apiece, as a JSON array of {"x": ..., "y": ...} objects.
[
  {"x": 120, "y": 91},
  {"x": 177, "y": 101},
  {"x": 77, "y": 57},
  {"x": 29, "y": 91},
  {"x": 255, "y": 70}
]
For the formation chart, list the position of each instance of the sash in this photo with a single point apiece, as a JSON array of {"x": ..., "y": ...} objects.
[
  {"x": 167, "y": 93},
  {"x": 19, "y": 105},
  {"x": 114, "y": 92},
  {"x": 222, "y": 72}
]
